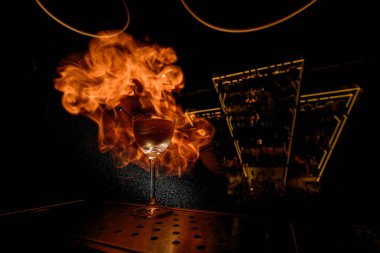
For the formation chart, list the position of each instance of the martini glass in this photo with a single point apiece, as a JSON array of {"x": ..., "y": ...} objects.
[{"x": 153, "y": 134}]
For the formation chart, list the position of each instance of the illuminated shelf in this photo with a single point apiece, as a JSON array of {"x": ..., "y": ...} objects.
[
  {"x": 278, "y": 136},
  {"x": 321, "y": 119},
  {"x": 260, "y": 109}
]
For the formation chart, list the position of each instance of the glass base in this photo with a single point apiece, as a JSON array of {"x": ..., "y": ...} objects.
[{"x": 152, "y": 212}]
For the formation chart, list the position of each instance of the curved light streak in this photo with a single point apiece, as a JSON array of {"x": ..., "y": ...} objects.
[
  {"x": 84, "y": 32},
  {"x": 249, "y": 29}
]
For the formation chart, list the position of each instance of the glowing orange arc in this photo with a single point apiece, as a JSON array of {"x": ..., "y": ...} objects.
[
  {"x": 250, "y": 29},
  {"x": 84, "y": 32}
]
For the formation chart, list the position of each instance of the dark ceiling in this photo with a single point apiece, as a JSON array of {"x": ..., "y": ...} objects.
[
  {"x": 337, "y": 40},
  {"x": 324, "y": 34}
]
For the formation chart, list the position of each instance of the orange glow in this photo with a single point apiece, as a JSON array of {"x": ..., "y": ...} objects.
[{"x": 119, "y": 76}]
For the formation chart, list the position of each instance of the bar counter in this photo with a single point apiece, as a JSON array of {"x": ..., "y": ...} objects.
[{"x": 83, "y": 226}]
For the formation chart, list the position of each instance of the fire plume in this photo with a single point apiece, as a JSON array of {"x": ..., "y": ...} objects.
[{"x": 118, "y": 77}]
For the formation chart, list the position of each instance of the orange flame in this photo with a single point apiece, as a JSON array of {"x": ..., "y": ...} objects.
[{"x": 120, "y": 76}]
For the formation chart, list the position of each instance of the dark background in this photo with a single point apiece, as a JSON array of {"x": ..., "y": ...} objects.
[{"x": 57, "y": 158}]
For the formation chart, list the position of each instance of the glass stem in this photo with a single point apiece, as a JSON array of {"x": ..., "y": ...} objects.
[{"x": 153, "y": 200}]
